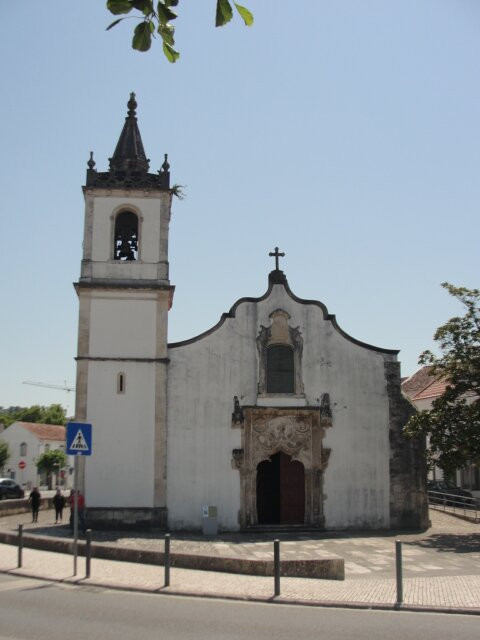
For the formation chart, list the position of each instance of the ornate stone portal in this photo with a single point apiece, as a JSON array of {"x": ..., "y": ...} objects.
[{"x": 298, "y": 432}]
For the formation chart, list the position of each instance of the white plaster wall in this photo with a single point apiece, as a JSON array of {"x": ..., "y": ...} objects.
[
  {"x": 203, "y": 378},
  {"x": 103, "y": 223},
  {"x": 123, "y": 324},
  {"x": 120, "y": 471},
  {"x": 424, "y": 404},
  {"x": 206, "y": 374},
  {"x": 15, "y": 435},
  {"x": 153, "y": 210}
]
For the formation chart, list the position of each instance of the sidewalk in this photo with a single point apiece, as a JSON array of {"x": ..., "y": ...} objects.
[
  {"x": 460, "y": 593},
  {"x": 434, "y": 592}
]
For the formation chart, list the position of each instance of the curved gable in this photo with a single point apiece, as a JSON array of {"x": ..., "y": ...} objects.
[{"x": 278, "y": 277}]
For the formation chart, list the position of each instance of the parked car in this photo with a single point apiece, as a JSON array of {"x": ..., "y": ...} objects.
[
  {"x": 10, "y": 489},
  {"x": 439, "y": 492}
]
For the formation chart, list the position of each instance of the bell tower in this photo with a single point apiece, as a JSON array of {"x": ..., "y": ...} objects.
[{"x": 124, "y": 296}]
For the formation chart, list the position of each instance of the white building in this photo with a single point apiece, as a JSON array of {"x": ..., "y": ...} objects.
[
  {"x": 422, "y": 389},
  {"x": 27, "y": 441},
  {"x": 275, "y": 416}
]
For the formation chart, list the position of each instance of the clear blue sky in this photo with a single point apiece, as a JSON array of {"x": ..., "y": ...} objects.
[{"x": 347, "y": 133}]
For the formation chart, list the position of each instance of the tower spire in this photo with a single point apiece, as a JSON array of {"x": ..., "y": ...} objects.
[
  {"x": 129, "y": 154},
  {"x": 129, "y": 166}
]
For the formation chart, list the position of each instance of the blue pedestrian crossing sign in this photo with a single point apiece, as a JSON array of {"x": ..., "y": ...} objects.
[{"x": 79, "y": 438}]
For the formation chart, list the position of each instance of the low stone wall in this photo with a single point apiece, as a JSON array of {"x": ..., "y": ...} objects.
[
  {"x": 11, "y": 507},
  {"x": 327, "y": 568}
]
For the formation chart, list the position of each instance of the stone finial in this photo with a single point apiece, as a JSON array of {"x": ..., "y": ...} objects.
[
  {"x": 132, "y": 106},
  {"x": 166, "y": 165},
  {"x": 91, "y": 163}
]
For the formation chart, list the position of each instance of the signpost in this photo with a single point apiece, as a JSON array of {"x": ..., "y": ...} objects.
[
  {"x": 21, "y": 465},
  {"x": 79, "y": 443}
]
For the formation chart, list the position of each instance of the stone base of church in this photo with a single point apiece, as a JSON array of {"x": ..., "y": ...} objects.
[{"x": 127, "y": 518}]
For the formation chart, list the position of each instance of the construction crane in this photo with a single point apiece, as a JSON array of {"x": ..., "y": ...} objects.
[{"x": 61, "y": 387}]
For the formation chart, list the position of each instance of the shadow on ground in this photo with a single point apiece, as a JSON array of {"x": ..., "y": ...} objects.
[
  {"x": 244, "y": 537},
  {"x": 458, "y": 543}
]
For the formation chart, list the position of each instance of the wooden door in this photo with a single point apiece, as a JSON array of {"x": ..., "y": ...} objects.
[{"x": 292, "y": 491}]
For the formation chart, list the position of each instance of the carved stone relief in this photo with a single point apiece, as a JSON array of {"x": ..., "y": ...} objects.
[
  {"x": 298, "y": 432},
  {"x": 237, "y": 415},
  {"x": 285, "y": 433}
]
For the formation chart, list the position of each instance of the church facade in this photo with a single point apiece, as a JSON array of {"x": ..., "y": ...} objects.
[{"x": 275, "y": 416}]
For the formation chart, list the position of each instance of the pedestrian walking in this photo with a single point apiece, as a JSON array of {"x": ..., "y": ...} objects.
[
  {"x": 34, "y": 500},
  {"x": 81, "y": 509},
  {"x": 59, "y": 504}
]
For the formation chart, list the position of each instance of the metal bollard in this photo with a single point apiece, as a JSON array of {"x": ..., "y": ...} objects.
[
  {"x": 167, "y": 560},
  {"x": 276, "y": 565},
  {"x": 88, "y": 552},
  {"x": 399, "y": 571},
  {"x": 20, "y": 545}
]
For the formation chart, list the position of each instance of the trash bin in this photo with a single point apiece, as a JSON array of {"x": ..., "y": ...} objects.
[{"x": 209, "y": 520}]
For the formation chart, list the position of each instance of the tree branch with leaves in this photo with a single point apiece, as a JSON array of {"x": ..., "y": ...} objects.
[
  {"x": 51, "y": 462},
  {"x": 156, "y": 19},
  {"x": 4, "y": 453},
  {"x": 453, "y": 423}
]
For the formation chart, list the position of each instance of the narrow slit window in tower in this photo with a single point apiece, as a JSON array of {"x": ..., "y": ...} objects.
[{"x": 121, "y": 383}]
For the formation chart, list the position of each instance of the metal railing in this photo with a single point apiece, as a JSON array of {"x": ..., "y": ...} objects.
[{"x": 454, "y": 503}]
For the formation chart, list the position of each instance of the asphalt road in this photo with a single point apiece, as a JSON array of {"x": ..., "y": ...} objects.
[{"x": 37, "y": 610}]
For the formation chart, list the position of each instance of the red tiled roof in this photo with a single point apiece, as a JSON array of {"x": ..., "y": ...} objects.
[
  {"x": 417, "y": 382},
  {"x": 435, "y": 389},
  {"x": 45, "y": 431}
]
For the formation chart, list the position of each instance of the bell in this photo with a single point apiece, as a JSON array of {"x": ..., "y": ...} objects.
[{"x": 125, "y": 252}]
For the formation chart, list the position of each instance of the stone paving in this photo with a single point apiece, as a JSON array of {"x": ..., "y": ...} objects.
[{"x": 441, "y": 566}]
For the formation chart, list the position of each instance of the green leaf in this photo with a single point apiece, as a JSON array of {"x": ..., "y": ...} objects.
[
  {"x": 170, "y": 53},
  {"x": 164, "y": 13},
  {"x": 145, "y": 6},
  {"x": 224, "y": 13},
  {"x": 167, "y": 32},
  {"x": 245, "y": 13},
  {"x": 114, "y": 23},
  {"x": 119, "y": 6},
  {"x": 142, "y": 36},
  {"x": 171, "y": 3}
]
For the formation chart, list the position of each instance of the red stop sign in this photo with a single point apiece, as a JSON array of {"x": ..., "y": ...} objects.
[{"x": 22, "y": 464}]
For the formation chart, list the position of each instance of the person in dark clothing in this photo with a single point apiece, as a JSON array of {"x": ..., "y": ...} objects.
[
  {"x": 58, "y": 503},
  {"x": 34, "y": 500}
]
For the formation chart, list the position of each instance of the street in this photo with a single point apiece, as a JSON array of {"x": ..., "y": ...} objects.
[{"x": 39, "y": 610}]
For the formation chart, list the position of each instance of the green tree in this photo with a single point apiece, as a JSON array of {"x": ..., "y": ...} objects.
[
  {"x": 4, "y": 453},
  {"x": 453, "y": 423},
  {"x": 51, "y": 462},
  {"x": 157, "y": 19},
  {"x": 52, "y": 414}
]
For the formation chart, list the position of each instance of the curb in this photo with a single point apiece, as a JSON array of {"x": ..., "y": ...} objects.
[
  {"x": 274, "y": 600},
  {"x": 331, "y": 568}
]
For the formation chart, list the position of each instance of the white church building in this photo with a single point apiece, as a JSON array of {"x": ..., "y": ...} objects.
[{"x": 275, "y": 416}]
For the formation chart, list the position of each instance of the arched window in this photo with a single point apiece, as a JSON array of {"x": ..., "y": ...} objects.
[
  {"x": 125, "y": 246},
  {"x": 47, "y": 448},
  {"x": 280, "y": 369},
  {"x": 23, "y": 449}
]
